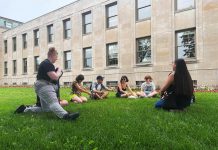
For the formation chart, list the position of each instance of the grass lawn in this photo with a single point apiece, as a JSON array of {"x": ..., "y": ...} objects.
[{"x": 110, "y": 124}]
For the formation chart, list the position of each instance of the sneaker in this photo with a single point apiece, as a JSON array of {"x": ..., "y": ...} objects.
[
  {"x": 20, "y": 109},
  {"x": 71, "y": 116}
]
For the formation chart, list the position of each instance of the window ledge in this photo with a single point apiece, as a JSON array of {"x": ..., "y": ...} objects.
[
  {"x": 86, "y": 34},
  {"x": 143, "y": 65},
  {"x": 112, "y": 67},
  {"x": 109, "y": 28},
  {"x": 145, "y": 19},
  {"x": 67, "y": 70},
  {"x": 191, "y": 61},
  {"x": 88, "y": 69},
  {"x": 185, "y": 9}
]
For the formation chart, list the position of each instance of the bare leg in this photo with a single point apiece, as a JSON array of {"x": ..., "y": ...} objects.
[
  {"x": 77, "y": 99},
  {"x": 104, "y": 95}
]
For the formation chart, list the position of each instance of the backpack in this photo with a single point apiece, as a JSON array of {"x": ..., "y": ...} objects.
[{"x": 96, "y": 85}]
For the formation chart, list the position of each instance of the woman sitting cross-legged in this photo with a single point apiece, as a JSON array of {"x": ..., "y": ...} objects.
[
  {"x": 177, "y": 91},
  {"x": 123, "y": 87},
  {"x": 77, "y": 89}
]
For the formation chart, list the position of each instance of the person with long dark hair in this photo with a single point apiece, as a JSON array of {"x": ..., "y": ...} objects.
[{"x": 177, "y": 90}]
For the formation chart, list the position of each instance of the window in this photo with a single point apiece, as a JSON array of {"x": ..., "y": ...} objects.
[
  {"x": 6, "y": 46},
  {"x": 24, "y": 65},
  {"x": 14, "y": 39},
  {"x": 87, "y": 57},
  {"x": 87, "y": 22},
  {"x": 67, "y": 28},
  {"x": 5, "y": 68},
  {"x": 111, "y": 13},
  {"x": 111, "y": 83},
  {"x": 143, "y": 50},
  {"x": 36, "y": 37},
  {"x": 14, "y": 67},
  {"x": 185, "y": 44},
  {"x": 87, "y": 84},
  {"x": 139, "y": 83},
  {"x": 184, "y": 4},
  {"x": 36, "y": 63},
  {"x": 195, "y": 84},
  {"x": 24, "y": 36},
  {"x": 112, "y": 54},
  {"x": 67, "y": 60},
  {"x": 143, "y": 9},
  {"x": 50, "y": 33}
]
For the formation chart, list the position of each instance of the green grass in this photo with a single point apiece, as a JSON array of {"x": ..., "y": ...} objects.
[{"x": 110, "y": 124}]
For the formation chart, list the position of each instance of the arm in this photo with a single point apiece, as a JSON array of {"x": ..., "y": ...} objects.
[
  {"x": 82, "y": 89},
  {"x": 167, "y": 83},
  {"x": 55, "y": 75},
  {"x": 130, "y": 89},
  {"x": 119, "y": 86}
]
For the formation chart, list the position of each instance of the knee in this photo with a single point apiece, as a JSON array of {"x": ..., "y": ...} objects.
[{"x": 64, "y": 103}]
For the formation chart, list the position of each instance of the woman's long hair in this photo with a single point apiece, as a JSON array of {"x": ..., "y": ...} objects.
[{"x": 182, "y": 79}]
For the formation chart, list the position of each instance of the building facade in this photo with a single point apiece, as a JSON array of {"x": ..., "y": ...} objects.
[{"x": 114, "y": 38}]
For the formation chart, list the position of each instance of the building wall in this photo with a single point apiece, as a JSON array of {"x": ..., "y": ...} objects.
[{"x": 164, "y": 22}]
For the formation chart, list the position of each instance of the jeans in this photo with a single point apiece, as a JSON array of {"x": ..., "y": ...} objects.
[{"x": 159, "y": 104}]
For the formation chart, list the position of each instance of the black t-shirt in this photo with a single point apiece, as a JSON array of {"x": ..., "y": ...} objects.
[{"x": 45, "y": 67}]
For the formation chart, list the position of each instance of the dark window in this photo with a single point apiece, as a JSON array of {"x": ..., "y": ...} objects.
[
  {"x": 87, "y": 22},
  {"x": 112, "y": 54},
  {"x": 184, "y": 4},
  {"x": 14, "y": 39},
  {"x": 143, "y": 9},
  {"x": 14, "y": 67},
  {"x": 36, "y": 37},
  {"x": 112, "y": 15},
  {"x": 67, "y": 28},
  {"x": 24, "y": 36},
  {"x": 50, "y": 33},
  {"x": 185, "y": 44},
  {"x": 67, "y": 60},
  {"x": 24, "y": 65},
  {"x": 6, "y": 46},
  {"x": 87, "y": 57},
  {"x": 143, "y": 50},
  {"x": 5, "y": 68},
  {"x": 36, "y": 63},
  {"x": 111, "y": 83},
  {"x": 195, "y": 84},
  {"x": 139, "y": 83}
]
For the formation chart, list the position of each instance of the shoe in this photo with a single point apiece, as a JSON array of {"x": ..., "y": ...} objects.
[
  {"x": 20, "y": 109},
  {"x": 71, "y": 116}
]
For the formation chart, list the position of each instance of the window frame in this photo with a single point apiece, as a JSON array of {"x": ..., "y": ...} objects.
[
  {"x": 84, "y": 24},
  {"x": 5, "y": 46},
  {"x": 14, "y": 44},
  {"x": 107, "y": 54},
  {"x": 137, "y": 11},
  {"x": 5, "y": 68},
  {"x": 36, "y": 66},
  {"x": 14, "y": 67},
  {"x": 25, "y": 65},
  {"x": 36, "y": 37},
  {"x": 108, "y": 17},
  {"x": 50, "y": 33},
  {"x": 137, "y": 51},
  {"x": 85, "y": 59},
  {"x": 66, "y": 67},
  {"x": 66, "y": 30},
  {"x": 176, "y": 44},
  {"x": 24, "y": 40}
]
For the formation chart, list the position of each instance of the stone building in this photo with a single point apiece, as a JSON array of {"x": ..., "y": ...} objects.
[{"x": 114, "y": 38}]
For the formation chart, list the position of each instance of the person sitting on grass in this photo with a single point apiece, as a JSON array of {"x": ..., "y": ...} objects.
[
  {"x": 98, "y": 90},
  {"x": 77, "y": 89},
  {"x": 177, "y": 90},
  {"x": 147, "y": 88},
  {"x": 123, "y": 87}
]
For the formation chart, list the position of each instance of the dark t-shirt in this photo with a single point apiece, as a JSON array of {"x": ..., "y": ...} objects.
[{"x": 45, "y": 67}]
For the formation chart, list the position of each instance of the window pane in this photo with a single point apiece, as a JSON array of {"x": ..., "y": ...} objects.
[
  {"x": 88, "y": 28},
  {"x": 143, "y": 3},
  {"x": 112, "y": 54},
  {"x": 144, "y": 13},
  {"x": 186, "y": 44},
  {"x": 88, "y": 18},
  {"x": 183, "y": 4},
  {"x": 112, "y": 22},
  {"x": 87, "y": 58},
  {"x": 112, "y": 10},
  {"x": 144, "y": 50}
]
